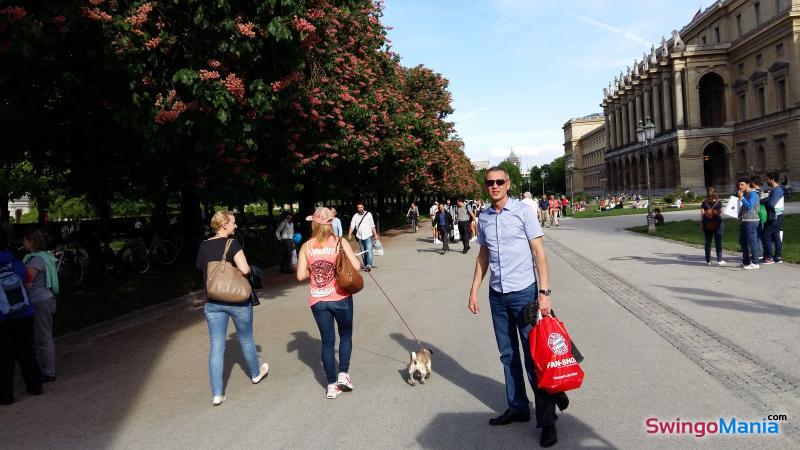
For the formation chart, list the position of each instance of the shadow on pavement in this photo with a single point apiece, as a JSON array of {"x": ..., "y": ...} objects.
[
  {"x": 309, "y": 352},
  {"x": 471, "y": 430},
  {"x": 488, "y": 391},
  {"x": 674, "y": 258},
  {"x": 234, "y": 357},
  {"x": 726, "y": 301}
]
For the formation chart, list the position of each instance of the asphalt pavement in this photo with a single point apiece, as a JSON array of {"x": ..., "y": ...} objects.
[{"x": 664, "y": 337}]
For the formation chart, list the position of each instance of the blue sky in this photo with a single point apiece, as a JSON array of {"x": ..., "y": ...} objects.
[{"x": 519, "y": 69}]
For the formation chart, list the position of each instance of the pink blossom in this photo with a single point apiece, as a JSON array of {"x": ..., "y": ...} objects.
[
  {"x": 152, "y": 43},
  {"x": 303, "y": 25},
  {"x": 97, "y": 2},
  {"x": 206, "y": 75},
  {"x": 96, "y": 15},
  {"x": 58, "y": 20},
  {"x": 214, "y": 63},
  {"x": 245, "y": 28},
  {"x": 13, "y": 13},
  {"x": 235, "y": 86},
  {"x": 138, "y": 19}
]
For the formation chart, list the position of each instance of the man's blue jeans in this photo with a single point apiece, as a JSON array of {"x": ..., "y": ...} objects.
[
  {"x": 748, "y": 240},
  {"x": 366, "y": 245},
  {"x": 771, "y": 237},
  {"x": 510, "y": 331},
  {"x": 217, "y": 317},
  {"x": 325, "y": 313}
]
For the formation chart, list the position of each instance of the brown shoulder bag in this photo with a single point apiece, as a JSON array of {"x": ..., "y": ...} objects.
[
  {"x": 347, "y": 276},
  {"x": 224, "y": 281}
]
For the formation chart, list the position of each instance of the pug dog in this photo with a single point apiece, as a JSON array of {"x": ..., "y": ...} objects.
[{"x": 420, "y": 362}]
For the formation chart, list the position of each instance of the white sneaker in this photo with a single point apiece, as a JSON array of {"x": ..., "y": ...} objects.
[
  {"x": 721, "y": 263},
  {"x": 751, "y": 267},
  {"x": 436, "y": 241},
  {"x": 263, "y": 371},
  {"x": 333, "y": 390},
  {"x": 344, "y": 382},
  {"x": 218, "y": 400}
]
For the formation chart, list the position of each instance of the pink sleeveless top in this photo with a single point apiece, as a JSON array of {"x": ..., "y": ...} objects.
[{"x": 322, "y": 264}]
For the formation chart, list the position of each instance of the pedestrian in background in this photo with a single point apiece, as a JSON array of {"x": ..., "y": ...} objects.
[
  {"x": 328, "y": 302},
  {"x": 366, "y": 233},
  {"x": 464, "y": 218},
  {"x": 444, "y": 222},
  {"x": 748, "y": 230},
  {"x": 412, "y": 214},
  {"x": 285, "y": 234},
  {"x": 217, "y": 312},
  {"x": 711, "y": 222},
  {"x": 336, "y": 224},
  {"x": 434, "y": 231},
  {"x": 16, "y": 331},
  {"x": 41, "y": 280},
  {"x": 771, "y": 236}
]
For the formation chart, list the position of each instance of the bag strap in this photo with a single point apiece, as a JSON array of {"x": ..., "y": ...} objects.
[
  {"x": 225, "y": 253},
  {"x": 362, "y": 221}
]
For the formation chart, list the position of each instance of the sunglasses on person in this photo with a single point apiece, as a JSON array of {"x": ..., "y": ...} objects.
[{"x": 490, "y": 183}]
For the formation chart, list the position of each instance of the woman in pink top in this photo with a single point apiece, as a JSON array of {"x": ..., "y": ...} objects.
[{"x": 329, "y": 303}]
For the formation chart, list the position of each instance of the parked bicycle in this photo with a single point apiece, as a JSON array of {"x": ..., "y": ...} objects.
[{"x": 139, "y": 256}]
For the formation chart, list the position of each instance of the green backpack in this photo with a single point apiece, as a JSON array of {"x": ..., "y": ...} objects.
[{"x": 762, "y": 213}]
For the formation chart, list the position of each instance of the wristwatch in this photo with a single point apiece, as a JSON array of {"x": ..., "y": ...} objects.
[{"x": 545, "y": 292}]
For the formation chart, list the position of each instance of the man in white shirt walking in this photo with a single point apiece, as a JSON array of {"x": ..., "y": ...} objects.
[{"x": 366, "y": 233}]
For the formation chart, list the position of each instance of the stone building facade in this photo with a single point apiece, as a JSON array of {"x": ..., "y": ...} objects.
[
  {"x": 585, "y": 143},
  {"x": 724, "y": 95}
]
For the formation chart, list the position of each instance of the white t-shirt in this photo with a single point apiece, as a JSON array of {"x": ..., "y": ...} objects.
[
  {"x": 364, "y": 231},
  {"x": 434, "y": 208}
]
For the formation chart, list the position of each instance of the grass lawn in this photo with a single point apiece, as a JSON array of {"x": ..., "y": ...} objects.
[{"x": 689, "y": 231}]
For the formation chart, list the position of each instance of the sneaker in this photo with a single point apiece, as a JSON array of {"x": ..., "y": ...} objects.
[
  {"x": 751, "y": 267},
  {"x": 368, "y": 268},
  {"x": 778, "y": 261},
  {"x": 436, "y": 241},
  {"x": 263, "y": 371},
  {"x": 708, "y": 263},
  {"x": 721, "y": 263},
  {"x": 767, "y": 261},
  {"x": 333, "y": 390},
  {"x": 218, "y": 400},
  {"x": 344, "y": 382}
]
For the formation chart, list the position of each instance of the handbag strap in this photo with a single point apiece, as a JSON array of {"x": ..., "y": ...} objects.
[
  {"x": 227, "y": 247},
  {"x": 362, "y": 221}
]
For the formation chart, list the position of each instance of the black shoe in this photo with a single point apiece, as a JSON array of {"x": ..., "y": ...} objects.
[
  {"x": 562, "y": 401},
  {"x": 549, "y": 437},
  {"x": 48, "y": 378},
  {"x": 510, "y": 417}
]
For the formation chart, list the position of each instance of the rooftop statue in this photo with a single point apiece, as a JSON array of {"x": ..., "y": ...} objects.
[
  {"x": 653, "y": 59},
  {"x": 677, "y": 42},
  {"x": 635, "y": 68},
  {"x": 645, "y": 62},
  {"x": 664, "y": 48}
]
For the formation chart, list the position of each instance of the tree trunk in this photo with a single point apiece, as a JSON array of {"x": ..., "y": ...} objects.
[
  {"x": 5, "y": 214},
  {"x": 159, "y": 219},
  {"x": 190, "y": 220}
]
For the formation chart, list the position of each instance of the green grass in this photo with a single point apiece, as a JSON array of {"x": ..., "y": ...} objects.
[{"x": 689, "y": 231}]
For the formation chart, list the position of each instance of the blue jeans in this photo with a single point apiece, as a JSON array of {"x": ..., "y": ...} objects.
[
  {"x": 325, "y": 313},
  {"x": 217, "y": 318},
  {"x": 510, "y": 331},
  {"x": 366, "y": 245},
  {"x": 716, "y": 236},
  {"x": 772, "y": 237},
  {"x": 748, "y": 240}
]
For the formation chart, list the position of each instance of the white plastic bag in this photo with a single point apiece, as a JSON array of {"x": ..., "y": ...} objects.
[
  {"x": 294, "y": 259},
  {"x": 732, "y": 208},
  {"x": 377, "y": 249}
]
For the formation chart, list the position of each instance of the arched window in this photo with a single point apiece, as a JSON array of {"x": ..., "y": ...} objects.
[
  {"x": 761, "y": 159},
  {"x": 783, "y": 157},
  {"x": 741, "y": 160},
  {"x": 712, "y": 100}
]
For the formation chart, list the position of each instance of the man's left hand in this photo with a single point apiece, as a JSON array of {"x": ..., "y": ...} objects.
[{"x": 544, "y": 304}]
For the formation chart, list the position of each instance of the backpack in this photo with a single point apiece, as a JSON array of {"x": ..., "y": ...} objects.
[
  {"x": 762, "y": 213},
  {"x": 710, "y": 216},
  {"x": 13, "y": 295}
]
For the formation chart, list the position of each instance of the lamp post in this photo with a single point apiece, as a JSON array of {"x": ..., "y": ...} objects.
[
  {"x": 543, "y": 175},
  {"x": 645, "y": 133},
  {"x": 571, "y": 168},
  {"x": 603, "y": 183}
]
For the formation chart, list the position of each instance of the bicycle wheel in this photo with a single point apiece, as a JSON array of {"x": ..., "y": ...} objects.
[
  {"x": 136, "y": 258},
  {"x": 166, "y": 252},
  {"x": 66, "y": 271},
  {"x": 79, "y": 262}
]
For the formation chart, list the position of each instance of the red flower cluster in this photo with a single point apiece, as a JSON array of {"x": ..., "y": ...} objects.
[
  {"x": 96, "y": 15},
  {"x": 152, "y": 43},
  {"x": 13, "y": 13},
  {"x": 206, "y": 75},
  {"x": 213, "y": 63},
  {"x": 138, "y": 19},
  {"x": 97, "y": 2},
  {"x": 245, "y": 28},
  {"x": 303, "y": 25},
  {"x": 285, "y": 82},
  {"x": 235, "y": 86}
]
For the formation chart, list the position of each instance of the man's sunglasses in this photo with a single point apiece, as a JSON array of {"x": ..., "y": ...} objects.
[{"x": 490, "y": 183}]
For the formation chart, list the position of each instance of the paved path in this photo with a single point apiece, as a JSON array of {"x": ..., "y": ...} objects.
[{"x": 143, "y": 383}]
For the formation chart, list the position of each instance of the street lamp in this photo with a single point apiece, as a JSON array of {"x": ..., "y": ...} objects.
[
  {"x": 645, "y": 133},
  {"x": 543, "y": 175},
  {"x": 571, "y": 167}
]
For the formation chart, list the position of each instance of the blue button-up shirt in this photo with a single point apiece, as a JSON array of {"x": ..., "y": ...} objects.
[{"x": 506, "y": 235}]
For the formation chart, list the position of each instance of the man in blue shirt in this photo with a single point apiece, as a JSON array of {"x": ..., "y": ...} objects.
[
  {"x": 748, "y": 230},
  {"x": 771, "y": 235},
  {"x": 444, "y": 222},
  {"x": 511, "y": 239}
]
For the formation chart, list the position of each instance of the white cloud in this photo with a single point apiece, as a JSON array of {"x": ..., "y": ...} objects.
[{"x": 624, "y": 33}]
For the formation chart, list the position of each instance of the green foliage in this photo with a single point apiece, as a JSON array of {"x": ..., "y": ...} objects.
[
  {"x": 515, "y": 176},
  {"x": 686, "y": 197}
]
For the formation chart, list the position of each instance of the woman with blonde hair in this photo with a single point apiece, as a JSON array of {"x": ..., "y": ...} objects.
[
  {"x": 328, "y": 302},
  {"x": 218, "y": 312}
]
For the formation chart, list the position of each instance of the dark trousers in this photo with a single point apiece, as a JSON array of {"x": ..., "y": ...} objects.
[
  {"x": 510, "y": 331},
  {"x": 325, "y": 314},
  {"x": 748, "y": 240},
  {"x": 288, "y": 249},
  {"x": 716, "y": 235},
  {"x": 444, "y": 235},
  {"x": 16, "y": 346},
  {"x": 463, "y": 230},
  {"x": 772, "y": 236}
]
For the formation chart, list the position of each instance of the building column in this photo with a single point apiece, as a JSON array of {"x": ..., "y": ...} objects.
[
  {"x": 679, "y": 119},
  {"x": 639, "y": 110},
  {"x": 631, "y": 122},
  {"x": 666, "y": 103},
  {"x": 618, "y": 126},
  {"x": 657, "y": 109},
  {"x": 647, "y": 109},
  {"x": 625, "y": 135}
]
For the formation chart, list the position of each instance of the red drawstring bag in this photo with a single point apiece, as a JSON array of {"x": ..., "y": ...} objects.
[{"x": 551, "y": 349}]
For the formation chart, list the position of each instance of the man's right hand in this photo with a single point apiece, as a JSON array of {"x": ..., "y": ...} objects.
[{"x": 473, "y": 303}]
